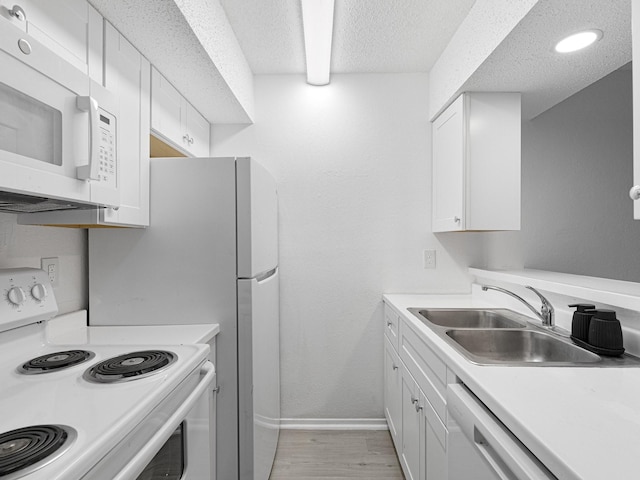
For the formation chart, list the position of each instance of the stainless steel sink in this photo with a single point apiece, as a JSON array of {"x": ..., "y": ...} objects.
[
  {"x": 519, "y": 346},
  {"x": 504, "y": 337},
  {"x": 470, "y": 317}
]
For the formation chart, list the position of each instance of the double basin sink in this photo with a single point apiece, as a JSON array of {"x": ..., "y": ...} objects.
[{"x": 504, "y": 337}]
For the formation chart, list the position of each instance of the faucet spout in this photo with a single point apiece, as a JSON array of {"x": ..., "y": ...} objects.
[{"x": 546, "y": 313}]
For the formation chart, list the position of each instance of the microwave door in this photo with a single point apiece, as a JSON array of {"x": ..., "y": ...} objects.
[{"x": 47, "y": 131}]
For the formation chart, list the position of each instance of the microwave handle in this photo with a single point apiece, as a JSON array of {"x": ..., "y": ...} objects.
[{"x": 90, "y": 171}]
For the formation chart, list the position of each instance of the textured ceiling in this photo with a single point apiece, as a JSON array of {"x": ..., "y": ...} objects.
[
  {"x": 192, "y": 44},
  {"x": 210, "y": 48},
  {"x": 525, "y": 61},
  {"x": 369, "y": 35}
]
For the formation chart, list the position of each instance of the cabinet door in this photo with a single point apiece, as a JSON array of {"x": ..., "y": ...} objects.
[
  {"x": 448, "y": 169},
  {"x": 197, "y": 128},
  {"x": 167, "y": 110},
  {"x": 72, "y": 29},
  {"x": 435, "y": 441},
  {"x": 127, "y": 75},
  {"x": 411, "y": 427},
  {"x": 393, "y": 393},
  {"x": 635, "y": 31}
]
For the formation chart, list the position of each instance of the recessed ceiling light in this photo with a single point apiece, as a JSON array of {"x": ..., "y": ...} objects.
[{"x": 578, "y": 41}]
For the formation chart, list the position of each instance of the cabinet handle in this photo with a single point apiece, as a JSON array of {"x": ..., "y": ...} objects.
[
  {"x": 456, "y": 219},
  {"x": 418, "y": 407},
  {"x": 190, "y": 140},
  {"x": 18, "y": 12},
  {"x": 395, "y": 367},
  {"x": 414, "y": 400},
  {"x": 389, "y": 324},
  {"x": 634, "y": 193}
]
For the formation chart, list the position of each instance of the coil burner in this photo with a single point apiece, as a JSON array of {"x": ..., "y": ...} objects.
[
  {"x": 28, "y": 449},
  {"x": 55, "y": 361},
  {"x": 130, "y": 366}
]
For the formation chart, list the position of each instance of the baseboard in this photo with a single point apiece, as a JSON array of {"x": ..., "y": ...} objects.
[{"x": 333, "y": 424}]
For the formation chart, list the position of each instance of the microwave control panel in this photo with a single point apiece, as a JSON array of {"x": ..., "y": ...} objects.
[{"x": 108, "y": 171}]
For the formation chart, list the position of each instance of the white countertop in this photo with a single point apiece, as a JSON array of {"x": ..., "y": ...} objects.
[
  {"x": 72, "y": 329},
  {"x": 582, "y": 423}
]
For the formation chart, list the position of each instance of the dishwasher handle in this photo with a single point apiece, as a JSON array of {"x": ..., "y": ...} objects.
[{"x": 506, "y": 455}]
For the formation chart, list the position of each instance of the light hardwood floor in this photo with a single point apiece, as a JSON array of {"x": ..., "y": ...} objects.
[{"x": 335, "y": 455}]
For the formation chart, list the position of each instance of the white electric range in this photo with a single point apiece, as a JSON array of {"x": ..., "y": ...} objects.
[{"x": 96, "y": 411}]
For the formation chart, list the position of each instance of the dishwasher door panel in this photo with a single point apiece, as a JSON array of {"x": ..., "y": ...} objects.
[{"x": 479, "y": 446}]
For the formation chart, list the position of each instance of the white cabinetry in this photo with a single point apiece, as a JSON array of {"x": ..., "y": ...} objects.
[
  {"x": 635, "y": 35},
  {"x": 127, "y": 75},
  {"x": 411, "y": 426},
  {"x": 70, "y": 28},
  {"x": 393, "y": 393},
  {"x": 415, "y": 401},
  {"x": 175, "y": 120},
  {"x": 476, "y": 163}
]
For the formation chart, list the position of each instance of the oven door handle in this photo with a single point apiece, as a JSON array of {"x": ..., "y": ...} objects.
[{"x": 146, "y": 454}]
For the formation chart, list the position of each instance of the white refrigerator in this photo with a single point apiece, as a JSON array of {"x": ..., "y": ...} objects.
[{"x": 210, "y": 255}]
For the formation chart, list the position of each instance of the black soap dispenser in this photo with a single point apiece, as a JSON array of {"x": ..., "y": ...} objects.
[
  {"x": 581, "y": 320},
  {"x": 605, "y": 333}
]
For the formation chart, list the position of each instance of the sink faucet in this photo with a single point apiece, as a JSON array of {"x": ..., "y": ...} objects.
[{"x": 546, "y": 312}]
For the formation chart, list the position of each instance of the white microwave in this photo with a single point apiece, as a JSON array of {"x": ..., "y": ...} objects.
[{"x": 58, "y": 142}]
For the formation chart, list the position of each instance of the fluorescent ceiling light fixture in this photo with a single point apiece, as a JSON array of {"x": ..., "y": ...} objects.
[
  {"x": 578, "y": 41},
  {"x": 317, "y": 21}
]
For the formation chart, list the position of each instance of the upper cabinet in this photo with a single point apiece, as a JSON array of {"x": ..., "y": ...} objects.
[
  {"x": 72, "y": 29},
  {"x": 176, "y": 121},
  {"x": 476, "y": 164},
  {"x": 127, "y": 73}
]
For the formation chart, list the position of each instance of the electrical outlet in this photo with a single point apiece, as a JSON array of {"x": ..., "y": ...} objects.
[
  {"x": 429, "y": 259},
  {"x": 52, "y": 267}
]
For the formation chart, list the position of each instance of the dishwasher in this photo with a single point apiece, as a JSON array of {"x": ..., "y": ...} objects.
[{"x": 480, "y": 447}]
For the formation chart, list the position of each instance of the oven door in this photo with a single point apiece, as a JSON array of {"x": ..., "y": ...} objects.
[
  {"x": 57, "y": 127},
  {"x": 176, "y": 442},
  {"x": 188, "y": 453}
]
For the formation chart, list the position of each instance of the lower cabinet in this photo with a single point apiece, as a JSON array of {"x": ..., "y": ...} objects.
[
  {"x": 435, "y": 441},
  {"x": 411, "y": 427},
  {"x": 393, "y": 393},
  {"x": 416, "y": 424}
]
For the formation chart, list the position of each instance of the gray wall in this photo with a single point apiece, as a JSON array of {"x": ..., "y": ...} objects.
[{"x": 577, "y": 170}]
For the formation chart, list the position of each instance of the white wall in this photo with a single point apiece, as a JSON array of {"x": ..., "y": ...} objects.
[
  {"x": 352, "y": 163},
  {"x": 577, "y": 170},
  {"x": 24, "y": 246}
]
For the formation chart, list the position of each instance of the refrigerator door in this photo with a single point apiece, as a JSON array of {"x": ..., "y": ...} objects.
[
  {"x": 257, "y": 210},
  {"x": 259, "y": 374}
]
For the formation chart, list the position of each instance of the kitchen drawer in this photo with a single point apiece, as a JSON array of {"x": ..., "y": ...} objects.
[
  {"x": 391, "y": 325},
  {"x": 426, "y": 367}
]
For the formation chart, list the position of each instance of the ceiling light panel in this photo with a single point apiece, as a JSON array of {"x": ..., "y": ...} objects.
[{"x": 317, "y": 20}]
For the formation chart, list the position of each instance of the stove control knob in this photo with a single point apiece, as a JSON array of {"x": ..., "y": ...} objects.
[
  {"x": 39, "y": 292},
  {"x": 16, "y": 296}
]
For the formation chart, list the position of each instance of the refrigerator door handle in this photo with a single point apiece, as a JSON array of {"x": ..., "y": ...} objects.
[{"x": 265, "y": 275}]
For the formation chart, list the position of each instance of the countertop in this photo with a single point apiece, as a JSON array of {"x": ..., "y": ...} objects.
[
  {"x": 582, "y": 423},
  {"x": 71, "y": 329}
]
